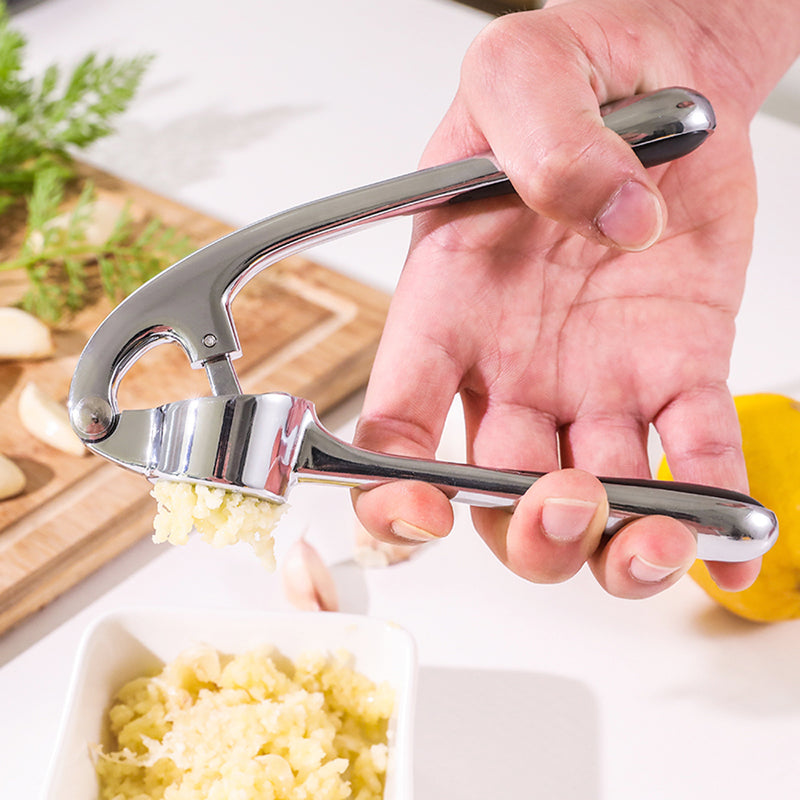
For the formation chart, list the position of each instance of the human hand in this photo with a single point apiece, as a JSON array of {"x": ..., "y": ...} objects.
[{"x": 564, "y": 328}]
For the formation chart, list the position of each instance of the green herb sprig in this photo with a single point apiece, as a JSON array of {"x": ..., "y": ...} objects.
[
  {"x": 43, "y": 121},
  {"x": 66, "y": 271}
]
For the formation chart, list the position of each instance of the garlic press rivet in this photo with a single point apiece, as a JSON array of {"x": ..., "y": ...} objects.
[
  {"x": 209, "y": 340},
  {"x": 92, "y": 417}
]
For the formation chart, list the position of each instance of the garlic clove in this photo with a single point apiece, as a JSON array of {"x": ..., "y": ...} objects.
[
  {"x": 12, "y": 478},
  {"x": 23, "y": 336},
  {"x": 371, "y": 553},
  {"x": 307, "y": 581},
  {"x": 47, "y": 420},
  {"x": 103, "y": 215}
]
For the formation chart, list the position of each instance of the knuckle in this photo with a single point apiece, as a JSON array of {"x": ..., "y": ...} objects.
[
  {"x": 396, "y": 434},
  {"x": 507, "y": 48},
  {"x": 485, "y": 57}
]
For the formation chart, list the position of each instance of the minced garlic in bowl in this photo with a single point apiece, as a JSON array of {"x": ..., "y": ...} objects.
[
  {"x": 220, "y": 516},
  {"x": 255, "y": 726}
]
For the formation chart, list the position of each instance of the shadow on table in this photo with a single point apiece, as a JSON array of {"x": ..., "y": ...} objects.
[
  {"x": 751, "y": 669},
  {"x": 148, "y": 150},
  {"x": 496, "y": 734}
]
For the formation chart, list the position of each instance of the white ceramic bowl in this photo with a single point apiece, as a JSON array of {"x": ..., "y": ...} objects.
[{"x": 130, "y": 642}]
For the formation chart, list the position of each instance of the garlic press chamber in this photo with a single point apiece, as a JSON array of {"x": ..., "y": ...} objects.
[{"x": 264, "y": 444}]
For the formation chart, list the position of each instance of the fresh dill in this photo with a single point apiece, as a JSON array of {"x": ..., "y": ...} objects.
[
  {"x": 43, "y": 122},
  {"x": 67, "y": 271}
]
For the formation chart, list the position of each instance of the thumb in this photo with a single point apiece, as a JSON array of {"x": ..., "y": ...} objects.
[{"x": 548, "y": 134}]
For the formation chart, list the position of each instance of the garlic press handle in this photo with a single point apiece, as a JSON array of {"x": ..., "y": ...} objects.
[
  {"x": 729, "y": 526},
  {"x": 189, "y": 303}
]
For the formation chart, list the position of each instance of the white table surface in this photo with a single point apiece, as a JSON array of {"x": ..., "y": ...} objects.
[{"x": 571, "y": 693}]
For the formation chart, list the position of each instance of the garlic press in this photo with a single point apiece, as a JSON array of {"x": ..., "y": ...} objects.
[{"x": 264, "y": 444}]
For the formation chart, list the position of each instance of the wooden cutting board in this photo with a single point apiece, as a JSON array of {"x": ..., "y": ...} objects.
[{"x": 304, "y": 329}]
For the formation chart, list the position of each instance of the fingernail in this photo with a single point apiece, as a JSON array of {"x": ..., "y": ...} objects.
[
  {"x": 565, "y": 519},
  {"x": 411, "y": 533},
  {"x": 646, "y": 572},
  {"x": 632, "y": 218}
]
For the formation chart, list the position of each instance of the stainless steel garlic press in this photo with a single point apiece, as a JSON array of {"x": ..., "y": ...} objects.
[{"x": 264, "y": 444}]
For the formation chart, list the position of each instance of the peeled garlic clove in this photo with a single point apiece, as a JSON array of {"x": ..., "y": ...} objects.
[
  {"x": 371, "y": 553},
  {"x": 101, "y": 221},
  {"x": 12, "y": 478},
  {"x": 307, "y": 581},
  {"x": 48, "y": 420},
  {"x": 23, "y": 336}
]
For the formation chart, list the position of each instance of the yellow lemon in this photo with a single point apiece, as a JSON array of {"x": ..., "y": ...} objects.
[{"x": 770, "y": 426}]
